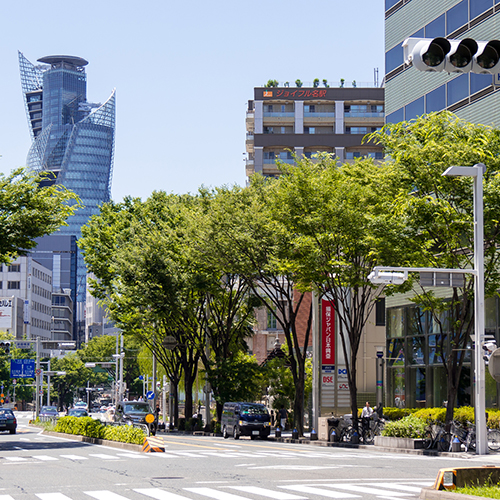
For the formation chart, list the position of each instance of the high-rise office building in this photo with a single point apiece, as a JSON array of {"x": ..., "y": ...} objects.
[
  {"x": 72, "y": 139},
  {"x": 415, "y": 347},
  {"x": 410, "y": 93}
]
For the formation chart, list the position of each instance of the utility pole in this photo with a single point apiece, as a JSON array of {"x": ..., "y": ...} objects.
[{"x": 37, "y": 377}]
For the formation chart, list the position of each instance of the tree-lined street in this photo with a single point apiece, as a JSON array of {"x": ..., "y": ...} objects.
[{"x": 35, "y": 465}]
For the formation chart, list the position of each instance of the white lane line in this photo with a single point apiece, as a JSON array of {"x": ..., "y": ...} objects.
[
  {"x": 16, "y": 459},
  {"x": 315, "y": 490},
  {"x": 367, "y": 490},
  {"x": 402, "y": 487},
  {"x": 218, "y": 495},
  {"x": 45, "y": 458},
  {"x": 277, "y": 495},
  {"x": 159, "y": 494},
  {"x": 105, "y": 495},
  {"x": 103, "y": 456},
  {"x": 52, "y": 496},
  {"x": 130, "y": 455},
  {"x": 74, "y": 457}
]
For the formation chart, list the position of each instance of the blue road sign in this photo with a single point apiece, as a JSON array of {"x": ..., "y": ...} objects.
[
  {"x": 150, "y": 395},
  {"x": 22, "y": 368}
]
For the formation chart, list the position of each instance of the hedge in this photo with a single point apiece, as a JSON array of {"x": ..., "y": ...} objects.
[{"x": 87, "y": 426}]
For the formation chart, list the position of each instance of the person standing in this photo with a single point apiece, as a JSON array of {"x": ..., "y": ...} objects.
[
  {"x": 283, "y": 416},
  {"x": 365, "y": 417}
]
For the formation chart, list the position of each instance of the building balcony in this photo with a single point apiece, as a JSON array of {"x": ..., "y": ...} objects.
[
  {"x": 284, "y": 114},
  {"x": 362, "y": 114}
]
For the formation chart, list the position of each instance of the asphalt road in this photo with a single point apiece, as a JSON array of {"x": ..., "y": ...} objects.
[{"x": 37, "y": 466}]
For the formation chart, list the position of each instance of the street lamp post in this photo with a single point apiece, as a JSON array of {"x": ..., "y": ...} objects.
[{"x": 476, "y": 172}]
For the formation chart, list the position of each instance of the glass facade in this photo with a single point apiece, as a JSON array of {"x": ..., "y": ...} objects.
[
  {"x": 416, "y": 349},
  {"x": 71, "y": 137}
]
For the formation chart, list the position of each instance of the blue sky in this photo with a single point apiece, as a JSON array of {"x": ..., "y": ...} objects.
[{"x": 183, "y": 73}]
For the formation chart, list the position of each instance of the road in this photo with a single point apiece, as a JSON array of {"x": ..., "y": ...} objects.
[{"x": 37, "y": 466}]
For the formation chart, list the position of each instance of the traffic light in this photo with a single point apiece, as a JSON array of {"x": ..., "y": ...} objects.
[
  {"x": 5, "y": 345},
  {"x": 489, "y": 347},
  {"x": 452, "y": 56}
]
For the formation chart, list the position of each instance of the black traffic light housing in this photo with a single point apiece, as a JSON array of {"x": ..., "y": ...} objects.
[
  {"x": 5, "y": 345},
  {"x": 452, "y": 56}
]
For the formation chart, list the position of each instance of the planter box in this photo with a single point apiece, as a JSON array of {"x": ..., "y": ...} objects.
[{"x": 406, "y": 443}]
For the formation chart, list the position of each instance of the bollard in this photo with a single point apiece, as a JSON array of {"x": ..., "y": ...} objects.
[
  {"x": 456, "y": 445},
  {"x": 314, "y": 435},
  {"x": 277, "y": 432},
  {"x": 334, "y": 438},
  {"x": 295, "y": 434},
  {"x": 355, "y": 438}
]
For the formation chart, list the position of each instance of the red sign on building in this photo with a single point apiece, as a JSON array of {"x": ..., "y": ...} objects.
[{"x": 327, "y": 333}]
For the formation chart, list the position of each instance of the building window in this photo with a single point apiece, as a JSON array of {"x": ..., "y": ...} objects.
[
  {"x": 479, "y": 82},
  {"x": 269, "y": 155},
  {"x": 396, "y": 116},
  {"x": 309, "y": 130},
  {"x": 268, "y": 130},
  {"x": 271, "y": 319},
  {"x": 436, "y": 28},
  {"x": 414, "y": 109},
  {"x": 394, "y": 58},
  {"x": 458, "y": 89},
  {"x": 14, "y": 268},
  {"x": 436, "y": 100},
  {"x": 477, "y": 7},
  {"x": 14, "y": 285},
  {"x": 457, "y": 16},
  {"x": 269, "y": 108},
  {"x": 309, "y": 108}
]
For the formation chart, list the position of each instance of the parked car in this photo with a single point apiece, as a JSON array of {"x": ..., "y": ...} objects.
[
  {"x": 132, "y": 412},
  {"x": 48, "y": 411},
  {"x": 81, "y": 405},
  {"x": 245, "y": 419},
  {"x": 78, "y": 412},
  {"x": 8, "y": 421}
]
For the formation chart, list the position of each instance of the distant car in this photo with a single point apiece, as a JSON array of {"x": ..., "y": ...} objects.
[
  {"x": 78, "y": 412},
  {"x": 8, "y": 421},
  {"x": 48, "y": 411},
  {"x": 132, "y": 412},
  {"x": 81, "y": 405}
]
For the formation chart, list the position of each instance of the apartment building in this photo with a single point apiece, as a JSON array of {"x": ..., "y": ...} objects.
[{"x": 283, "y": 121}]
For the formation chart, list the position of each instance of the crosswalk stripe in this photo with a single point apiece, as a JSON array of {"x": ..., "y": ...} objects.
[
  {"x": 45, "y": 458},
  {"x": 16, "y": 459},
  {"x": 402, "y": 487},
  {"x": 314, "y": 490},
  {"x": 131, "y": 455},
  {"x": 218, "y": 495},
  {"x": 103, "y": 456},
  {"x": 277, "y": 495},
  {"x": 368, "y": 490},
  {"x": 105, "y": 495},
  {"x": 159, "y": 494},
  {"x": 6, "y": 497},
  {"x": 52, "y": 496},
  {"x": 74, "y": 457}
]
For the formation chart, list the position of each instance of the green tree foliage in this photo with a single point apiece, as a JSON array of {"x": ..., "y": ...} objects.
[
  {"x": 437, "y": 213},
  {"x": 28, "y": 211},
  {"x": 336, "y": 222}
]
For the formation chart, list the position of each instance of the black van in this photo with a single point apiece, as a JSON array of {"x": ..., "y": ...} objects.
[{"x": 245, "y": 419}]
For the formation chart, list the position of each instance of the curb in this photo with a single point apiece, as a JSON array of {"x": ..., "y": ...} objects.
[{"x": 431, "y": 494}]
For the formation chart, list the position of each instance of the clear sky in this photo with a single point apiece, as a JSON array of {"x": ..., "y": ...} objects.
[{"x": 183, "y": 72}]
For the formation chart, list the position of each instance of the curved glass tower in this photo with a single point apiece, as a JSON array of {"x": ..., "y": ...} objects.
[{"x": 71, "y": 137}]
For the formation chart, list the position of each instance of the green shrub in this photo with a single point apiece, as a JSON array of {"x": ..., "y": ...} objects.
[
  {"x": 493, "y": 419},
  {"x": 397, "y": 413},
  {"x": 432, "y": 415},
  {"x": 124, "y": 434},
  {"x": 182, "y": 424},
  {"x": 407, "y": 427}
]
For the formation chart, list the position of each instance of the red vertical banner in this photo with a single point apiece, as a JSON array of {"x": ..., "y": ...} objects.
[{"x": 327, "y": 333}]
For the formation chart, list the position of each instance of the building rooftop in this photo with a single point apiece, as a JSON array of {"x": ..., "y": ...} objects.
[{"x": 75, "y": 61}]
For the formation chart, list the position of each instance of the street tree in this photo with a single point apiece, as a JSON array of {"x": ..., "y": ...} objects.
[
  {"x": 28, "y": 211},
  {"x": 338, "y": 228},
  {"x": 438, "y": 215},
  {"x": 246, "y": 239}
]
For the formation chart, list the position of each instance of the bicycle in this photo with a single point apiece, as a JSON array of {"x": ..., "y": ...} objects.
[
  {"x": 374, "y": 428},
  {"x": 437, "y": 437}
]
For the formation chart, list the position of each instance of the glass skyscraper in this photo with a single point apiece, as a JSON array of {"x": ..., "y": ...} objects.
[{"x": 71, "y": 138}]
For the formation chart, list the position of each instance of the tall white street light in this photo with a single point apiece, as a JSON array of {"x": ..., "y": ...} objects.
[{"x": 476, "y": 172}]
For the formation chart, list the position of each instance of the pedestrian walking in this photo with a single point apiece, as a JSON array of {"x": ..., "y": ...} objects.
[
  {"x": 283, "y": 416},
  {"x": 365, "y": 417}
]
